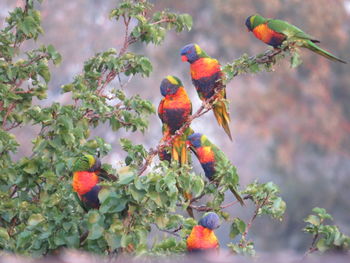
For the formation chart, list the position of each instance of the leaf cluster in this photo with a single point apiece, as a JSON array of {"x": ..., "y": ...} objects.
[{"x": 325, "y": 237}]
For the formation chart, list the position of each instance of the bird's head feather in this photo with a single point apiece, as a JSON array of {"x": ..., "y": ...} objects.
[
  {"x": 170, "y": 85},
  {"x": 196, "y": 139},
  {"x": 210, "y": 220},
  {"x": 192, "y": 52},
  {"x": 254, "y": 20},
  {"x": 87, "y": 162}
]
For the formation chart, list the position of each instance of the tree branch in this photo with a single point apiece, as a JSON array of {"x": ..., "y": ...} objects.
[
  {"x": 312, "y": 248},
  {"x": 173, "y": 232},
  {"x": 243, "y": 64},
  {"x": 8, "y": 112},
  {"x": 256, "y": 212},
  {"x": 37, "y": 58}
]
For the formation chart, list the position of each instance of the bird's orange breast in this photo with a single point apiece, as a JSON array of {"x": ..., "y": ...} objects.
[
  {"x": 84, "y": 181},
  {"x": 204, "y": 67},
  {"x": 179, "y": 100},
  {"x": 205, "y": 154},
  {"x": 266, "y": 34},
  {"x": 202, "y": 238}
]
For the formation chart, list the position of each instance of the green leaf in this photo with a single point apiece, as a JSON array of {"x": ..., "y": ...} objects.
[
  {"x": 126, "y": 178},
  {"x": 29, "y": 25},
  {"x": 187, "y": 21},
  {"x": 31, "y": 167},
  {"x": 238, "y": 227},
  {"x": 312, "y": 219},
  {"x": 93, "y": 217},
  {"x": 44, "y": 72},
  {"x": 197, "y": 186},
  {"x": 3, "y": 234},
  {"x": 113, "y": 240},
  {"x": 126, "y": 240},
  {"x": 321, "y": 245},
  {"x": 95, "y": 232},
  {"x": 35, "y": 219},
  {"x": 295, "y": 60}
]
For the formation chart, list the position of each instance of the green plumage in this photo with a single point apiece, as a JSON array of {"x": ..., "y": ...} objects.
[
  {"x": 84, "y": 163},
  {"x": 223, "y": 171},
  {"x": 292, "y": 33}
]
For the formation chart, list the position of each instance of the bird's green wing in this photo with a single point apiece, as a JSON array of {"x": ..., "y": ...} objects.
[
  {"x": 289, "y": 30},
  {"x": 81, "y": 203}
]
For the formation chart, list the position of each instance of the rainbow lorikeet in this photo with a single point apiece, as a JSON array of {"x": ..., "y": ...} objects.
[
  {"x": 273, "y": 32},
  {"x": 202, "y": 237},
  {"x": 211, "y": 158},
  {"x": 207, "y": 77},
  {"x": 86, "y": 170},
  {"x": 174, "y": 110}
]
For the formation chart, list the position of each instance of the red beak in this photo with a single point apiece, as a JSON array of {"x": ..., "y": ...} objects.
[{"x": 184, "y": 58}]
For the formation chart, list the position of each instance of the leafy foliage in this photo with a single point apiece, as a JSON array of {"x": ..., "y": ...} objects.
[
  {"x": 267, "y": 202},
  {"x": 325, "y": 237}
]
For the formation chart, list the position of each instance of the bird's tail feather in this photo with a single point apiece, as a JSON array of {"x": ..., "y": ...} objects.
[
  {"x": 310, "y": 45},
  {"x": 179, "y": 148},
  {"x": 222, "y": 116}
]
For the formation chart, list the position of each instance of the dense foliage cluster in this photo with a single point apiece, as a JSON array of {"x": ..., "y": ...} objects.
[{"x": 38, "y": 211}]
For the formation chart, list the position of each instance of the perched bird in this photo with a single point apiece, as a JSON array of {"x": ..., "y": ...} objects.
[
  {"x": 202, "y": 237},
  {"x": 85, "y": 181},
  {"x": 207, "y": 77},
  {"x": 174, "y": 110},
  {"x": 211, "y": 158},
  {"x": 273, "y": 32}
]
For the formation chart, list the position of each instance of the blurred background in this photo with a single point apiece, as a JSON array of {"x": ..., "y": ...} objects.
[{"x": 290, "y": 126}]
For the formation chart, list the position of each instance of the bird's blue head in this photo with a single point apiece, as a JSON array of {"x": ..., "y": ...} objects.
[
  {"x": 191, "y": 53},
  {"x": 210, "y": 220},
  {"x": 195, "y": 139},
  {"x": 170, "y": 85},
  {"x": 253, "y": 21}
]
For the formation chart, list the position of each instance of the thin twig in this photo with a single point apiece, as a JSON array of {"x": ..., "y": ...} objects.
[
  {"x": 8, "y": 112},
  {"x": 256, "y": 212},
  {"x": 35, "y": 60},
  {"x": 164, "y": 20},
  {"x": 312, "y": 248},
  {"x": 14, "y": 191},
  {"x": 126, "y": 36},
  {"x": 171, "y": 232},
  {"x": 235, "y": 202}
]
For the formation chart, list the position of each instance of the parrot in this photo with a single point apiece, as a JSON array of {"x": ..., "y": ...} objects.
[
  {"x": 174, "y": 110},
  {"x": 273, "y": 32},
  {"x": 202, "y": 237},
  {"x": 207, "y": 77},
  {"x": 86, "y": 171},
  {"x": 210, "y": 158}
]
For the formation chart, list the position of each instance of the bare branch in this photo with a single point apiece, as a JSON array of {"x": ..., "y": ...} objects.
[{"x": 171, "y": 232}]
